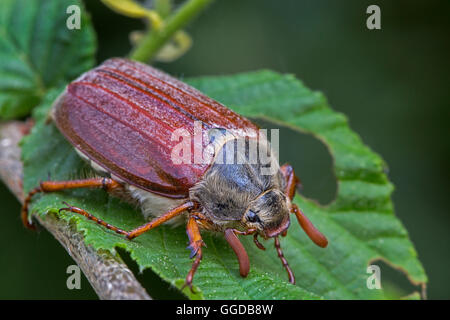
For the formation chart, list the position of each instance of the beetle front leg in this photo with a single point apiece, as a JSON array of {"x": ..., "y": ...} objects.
[
  {"x": 53, "y": 186},
  {"x": 195, "y": 245},
  {"x": 292, "y": 181},
  {"x": 284, "y": 261}
]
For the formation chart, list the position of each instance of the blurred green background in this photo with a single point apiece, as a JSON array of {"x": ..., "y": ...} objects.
[{"x": 391, "y": 83}]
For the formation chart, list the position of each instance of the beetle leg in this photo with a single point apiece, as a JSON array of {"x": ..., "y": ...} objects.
[
  {"x": 139, "y": 230},
  {"x": 109, "y": 185},
  {"x": 284, "y": 261},
  {"x": 292, "y": 181},
  {"x": 160, "y": 220},
  {"x": 93, "y": 218},
  {"x": 53, "y": 186},
  {"x": 195, "y": 245},
  {"x": 239, "y": 250}
]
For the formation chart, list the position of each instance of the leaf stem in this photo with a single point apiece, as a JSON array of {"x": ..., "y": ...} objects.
[{"x": 156, "y": 38}]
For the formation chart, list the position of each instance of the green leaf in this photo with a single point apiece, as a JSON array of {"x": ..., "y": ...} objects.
[
  {"x": 38, "y": 51},
  {"x": 360, "y": 224}
]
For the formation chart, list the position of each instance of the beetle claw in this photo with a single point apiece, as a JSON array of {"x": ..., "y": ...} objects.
[
  {"x": 191, "y": 287},
  {"x": 68, "y": 208},
  {"x": 194, "y": 247}
]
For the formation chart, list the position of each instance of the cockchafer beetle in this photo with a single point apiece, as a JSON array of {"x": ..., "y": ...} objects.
[{"x": 121, "y": 118}]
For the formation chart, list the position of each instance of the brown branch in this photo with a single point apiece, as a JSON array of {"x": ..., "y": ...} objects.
[{"x": 108, "y": 275}]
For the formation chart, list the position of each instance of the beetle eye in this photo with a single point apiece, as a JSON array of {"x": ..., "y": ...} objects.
[{"x": 252, "y": 217}]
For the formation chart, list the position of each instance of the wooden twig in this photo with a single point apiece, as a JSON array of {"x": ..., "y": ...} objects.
[{"x": 107, "y": 273}]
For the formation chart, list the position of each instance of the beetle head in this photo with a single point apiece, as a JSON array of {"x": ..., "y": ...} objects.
[{"x": 268, "y": 214}]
